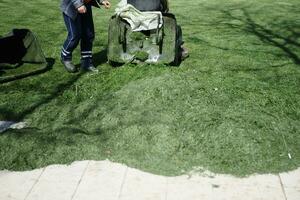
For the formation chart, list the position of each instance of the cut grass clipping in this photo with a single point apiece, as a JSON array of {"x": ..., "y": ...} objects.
[{"x": 233, "y": 107}]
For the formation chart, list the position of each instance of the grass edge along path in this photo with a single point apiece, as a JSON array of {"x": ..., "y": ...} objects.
[{"x": 232, "y": 107}]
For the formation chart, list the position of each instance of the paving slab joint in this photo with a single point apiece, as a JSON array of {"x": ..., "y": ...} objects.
[
  {"x": 34, "y": 184},
  {"x": 123, "y": 183},
  {"x": 81, "y": 177},
  {"x": 282, "y": 187},
  {"x": 167, "y": 185}
]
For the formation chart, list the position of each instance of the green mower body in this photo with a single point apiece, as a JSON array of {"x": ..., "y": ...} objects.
[{"x": 153, "y": 46}]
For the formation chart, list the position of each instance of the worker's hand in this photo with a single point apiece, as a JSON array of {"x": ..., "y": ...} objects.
[
  {"x": 106, "y": 4},
  {"x": 82, "y": 9}
]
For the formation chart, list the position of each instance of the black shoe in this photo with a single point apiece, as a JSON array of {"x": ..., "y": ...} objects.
[
  {"x": 184, "y": 53},
  {"x": 87, "y": 66},
  {"x": 69, "y": 66}
]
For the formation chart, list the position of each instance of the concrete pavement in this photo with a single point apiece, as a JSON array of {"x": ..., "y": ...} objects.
[{"x": 104, "y": 180}]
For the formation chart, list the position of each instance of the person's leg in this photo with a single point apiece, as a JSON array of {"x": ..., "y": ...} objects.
[
  {"x": 87, "y": 38},
  {"x": 74, "y": 32}
]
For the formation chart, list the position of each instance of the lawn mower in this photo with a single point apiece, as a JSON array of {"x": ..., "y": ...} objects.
[{"x": 160, "y": 44}]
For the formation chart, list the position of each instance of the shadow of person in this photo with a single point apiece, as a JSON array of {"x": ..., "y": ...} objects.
[
  {"x": 8, "y": 115},
  {"x": 46, "y": 67},
  {"x": 2, "y": 72},
  {"x": 100, "y": 57}
]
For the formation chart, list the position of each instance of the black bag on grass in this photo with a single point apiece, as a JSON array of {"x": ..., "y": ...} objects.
[{"x": 20, "y": 46}]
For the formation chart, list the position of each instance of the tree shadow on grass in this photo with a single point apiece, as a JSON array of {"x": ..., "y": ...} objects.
[
  {"x": 57, "y": 91},
  {"x": 281, "y": 34},
  {"x": 287, "y": 43},
  {"x": 240, "y": 51}
]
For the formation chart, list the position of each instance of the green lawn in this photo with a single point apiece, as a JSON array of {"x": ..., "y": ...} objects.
[{"x": 232, "y": 107}]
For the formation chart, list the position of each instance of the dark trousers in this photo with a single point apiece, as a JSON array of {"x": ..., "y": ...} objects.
[{"x": 79, "y": 30}]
